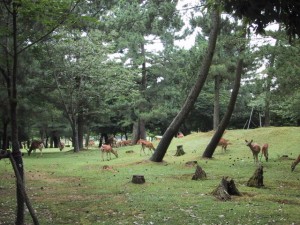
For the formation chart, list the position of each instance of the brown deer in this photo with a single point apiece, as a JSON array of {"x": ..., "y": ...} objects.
[
  {"x": 264, "y": 151},
  {"x": 61, "y": 145},
  {"x": 223, "y": 143},
  {"x": 108, "y": 150},
  {"x": 255, "y": 148},
  {"x": 145, "y": 144},
  {"x": 294, "y": 164},
  {"x": 36, "y": 145}
]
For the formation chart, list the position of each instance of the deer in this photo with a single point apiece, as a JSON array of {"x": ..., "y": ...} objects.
[
  {"x": 36, "y": 145},
  {"x": 108, "y": 150},
  {"x": 264, "y": 151},
  {"x": 223, "y": 143},
  {"x": 255, "y": 148},
  {"x": 61, "y": 145},
  {"x": 145, "y": 144},
  {"x": 294, "y": 164}
]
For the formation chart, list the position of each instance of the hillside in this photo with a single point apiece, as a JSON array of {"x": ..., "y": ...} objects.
[{"x": 68, "y": 188}]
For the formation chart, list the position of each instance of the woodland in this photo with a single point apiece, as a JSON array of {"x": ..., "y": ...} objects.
[{"x": 75, "y": 68}]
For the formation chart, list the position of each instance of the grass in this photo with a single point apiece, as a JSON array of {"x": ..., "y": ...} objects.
[{"x": 70, "y": 188}]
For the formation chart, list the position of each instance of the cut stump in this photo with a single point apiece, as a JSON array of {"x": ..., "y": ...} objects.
[
  {"x": 257, "y": 180},
  {"x": 199, "y": 174},
  {"x": 225, "y": 189},
  {"x": 138, "y": 179},
  {"x": 191, "y": 163},
  {"x": 179, "y": 151}
]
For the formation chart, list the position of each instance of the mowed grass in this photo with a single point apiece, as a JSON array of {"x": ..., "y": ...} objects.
[{"x": 73, "y": 188}]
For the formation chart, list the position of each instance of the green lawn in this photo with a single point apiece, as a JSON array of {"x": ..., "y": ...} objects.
[{"x": 73, "y": 188}]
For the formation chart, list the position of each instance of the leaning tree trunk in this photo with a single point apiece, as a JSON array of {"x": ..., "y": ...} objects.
[
  {"x": 194, "y": 93},
  {"x": 209, "y": 151},
  {"x": 216, "y": 120}
]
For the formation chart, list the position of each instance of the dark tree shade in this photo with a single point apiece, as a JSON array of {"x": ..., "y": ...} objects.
[{"x": 261, "y": 13}]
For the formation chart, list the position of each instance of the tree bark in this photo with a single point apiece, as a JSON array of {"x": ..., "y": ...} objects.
[
  {"x": 194, "y": 93},
  {"x": 139, "y": 131},
  {"x": 209, "y": 151},
  {"x": 216, "y": 119},
  {"x": 225, "y": 189},
  {"x": 257, "y": 180},
  {"x": 80, "y": 130}
]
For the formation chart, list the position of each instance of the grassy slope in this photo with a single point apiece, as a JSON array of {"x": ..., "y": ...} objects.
[{"x": 68, "y": 188}]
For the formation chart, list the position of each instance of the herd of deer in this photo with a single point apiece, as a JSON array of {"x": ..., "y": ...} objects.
[{"x": 108, "y": 149}]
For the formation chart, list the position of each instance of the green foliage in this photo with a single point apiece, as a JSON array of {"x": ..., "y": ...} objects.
[{"x": 262, "y": 13}]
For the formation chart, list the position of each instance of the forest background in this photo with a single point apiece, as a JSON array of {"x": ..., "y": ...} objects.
[{"x": 71, "y": 83}]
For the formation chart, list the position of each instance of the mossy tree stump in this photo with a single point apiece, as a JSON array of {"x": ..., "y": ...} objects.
[
  {"x": 199, "y": 174},
  {"x": 138, "y": 179},
  {"x": 257, "y": 180},
  {"x": 179, "y": 151},
  {"x": 225, "y": 189}
]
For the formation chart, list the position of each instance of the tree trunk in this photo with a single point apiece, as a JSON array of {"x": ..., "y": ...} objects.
[
  {"x": 12, "y": 89},
  {"x": 87, "y": 138},
  {"x": 209, "y": 151},
  {"x": 139, "y": 131},
  {"x": 80, "y": 130},
  {"x": 216, "y": 119},
  {"x": 270, "y": 76},
  {"x": 194, "y": 93},
  {"x": 75, "y": 136},
  {"x": 4, "y": 135}
]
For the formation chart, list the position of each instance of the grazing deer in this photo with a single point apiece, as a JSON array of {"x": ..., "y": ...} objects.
[
  {"x": 264, "y": 151},
  {"x": 223, "y": 143},
  {"x": 61, "y": 145},
  {"x": 294, "y": 164},
  {"x": 108, "y": 150},
  {"x": 145, "y": 144},
  {"x": 36, "y": 145},
  {"x": 255, "y": 148}
]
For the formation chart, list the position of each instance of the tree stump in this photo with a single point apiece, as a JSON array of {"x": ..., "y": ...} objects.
[
  {"x": 138, "y": 179},
  {"x": 257, "y": 180},
  {"x": 199, "y": 174},
  {"x": 191, "y": 163},
  {"x": 179, "y": 151},
  {"x": 225, "y": 189}
]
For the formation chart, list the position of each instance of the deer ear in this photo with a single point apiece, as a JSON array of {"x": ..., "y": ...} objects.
[{"x": 246, "y": 141}]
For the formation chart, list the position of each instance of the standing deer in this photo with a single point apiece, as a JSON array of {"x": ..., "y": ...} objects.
[
  {"x": 294, "y": 164},
  {"x": 223, "y": 143},
  {"x": 255, "y": 148},
  {"x": 145, "y": 144},
  {"x": 108, "y": 150},
  {"x": 264, "y": 151}
]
